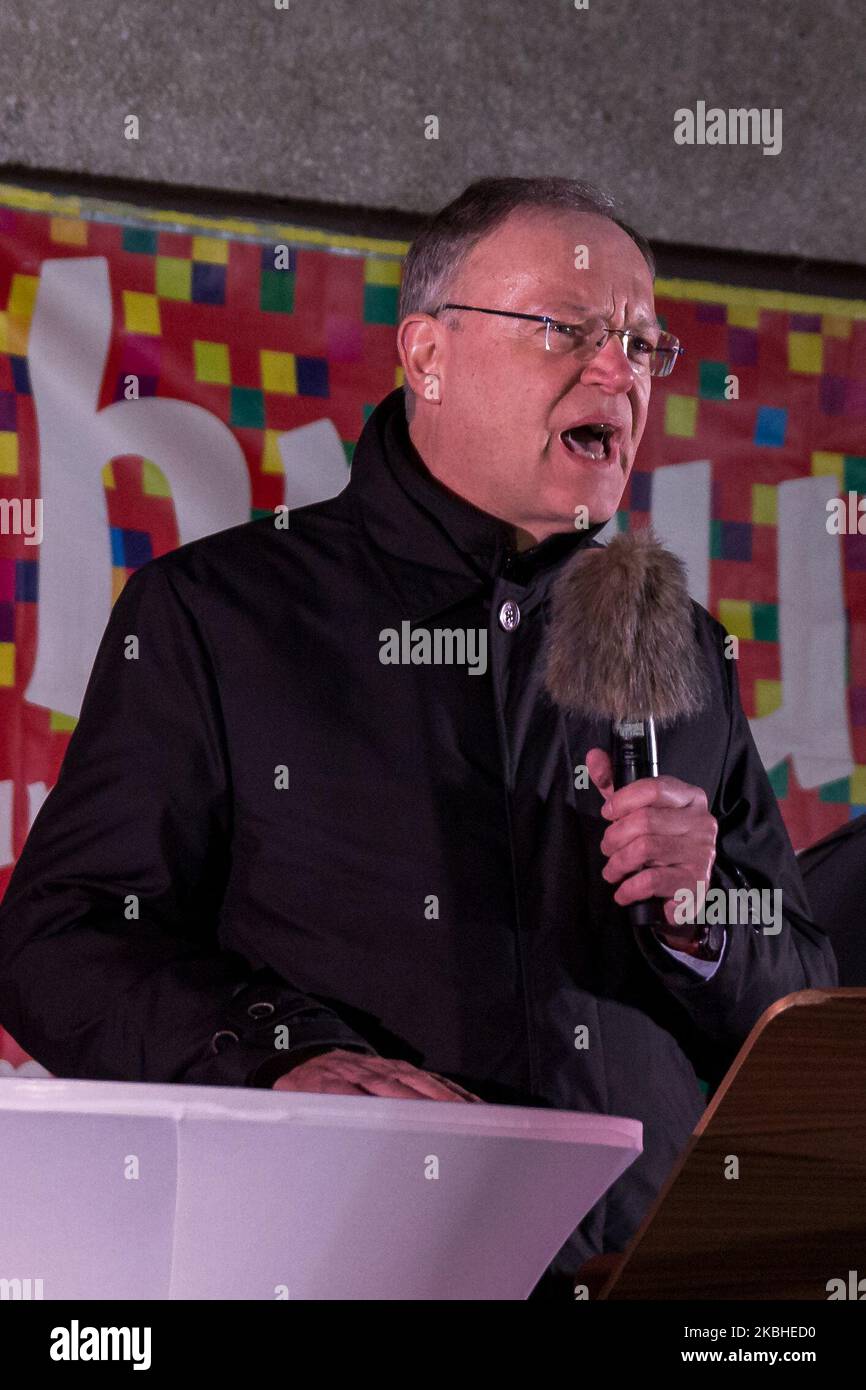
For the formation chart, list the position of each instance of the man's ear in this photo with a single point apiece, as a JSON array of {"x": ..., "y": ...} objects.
[{"x": 419, "y": 343}]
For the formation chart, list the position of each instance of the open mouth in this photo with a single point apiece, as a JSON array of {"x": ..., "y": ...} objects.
[{"x": 592, "y": 441}]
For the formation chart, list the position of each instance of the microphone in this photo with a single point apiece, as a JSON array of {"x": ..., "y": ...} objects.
[{"x": 622, "y": 648}]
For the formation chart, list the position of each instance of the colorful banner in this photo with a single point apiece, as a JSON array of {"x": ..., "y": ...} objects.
[{"x": 163, "y": 376}]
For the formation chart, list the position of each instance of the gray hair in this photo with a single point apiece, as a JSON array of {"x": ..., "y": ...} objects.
[{"x": 442, "y": 246}]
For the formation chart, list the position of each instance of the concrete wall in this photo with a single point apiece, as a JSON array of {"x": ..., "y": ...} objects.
[{"x": 327, "y": 100}]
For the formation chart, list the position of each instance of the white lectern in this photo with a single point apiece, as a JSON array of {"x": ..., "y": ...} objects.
[{"x": 111, "y": 1190}]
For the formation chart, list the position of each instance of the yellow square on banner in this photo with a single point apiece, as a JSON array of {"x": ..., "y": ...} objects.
[
  {"x": 141, "y": 312},
  {"x": 22, "y": 295},
  {"x": 70, "y": 231},
  {"x": 7, "y": 663},
  {"x": 857, "y": 785},
  {"x": 833, "y": 327},
  {"x": 768, "y": 696},
  {"x": 271, "y": 461},
  {"x": 681, "y": 415},
  {"x": 8, "y": 453},
  {"x": 210, "y": 249},
  {"x": 399, "y": 377},
  {"x": 764, "y": 509},
  {"x": 805, "y": 352},
  {"x": 4, "y": 332},
  {"x": 61, "y": 723},
  {"x": 108, "y": 475},
  {"x": 743, "y": 316},
  {"x": 212, "y": 363},
  {"x": 379, "y": 272},
  {"x": 736, "y": 615},
  {"x": 829, "y": 466},
  {"x": 17, "y": 333},
  {"x": 278, "y": 372},
  {"x": 173, "y": 277},
  {"x": 153, "y": 480}
]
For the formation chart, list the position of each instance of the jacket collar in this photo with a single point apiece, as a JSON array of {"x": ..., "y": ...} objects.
[{"x": 442, "y": 548}]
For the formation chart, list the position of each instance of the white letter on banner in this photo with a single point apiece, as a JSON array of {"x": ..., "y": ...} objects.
[
  {"x": 681, "y": 500},
  {"x": 200, "y": 457},
  {"x": 811, "y": 725},
  {"x": 314, "y": 464},
  {"x": 812, "y": 722}
]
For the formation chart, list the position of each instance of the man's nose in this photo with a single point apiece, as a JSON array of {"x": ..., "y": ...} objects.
[{"x": 610, "y": 367}]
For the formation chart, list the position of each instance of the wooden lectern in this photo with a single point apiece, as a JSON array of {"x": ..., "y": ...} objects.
[{"x": 790, "y": 1116}]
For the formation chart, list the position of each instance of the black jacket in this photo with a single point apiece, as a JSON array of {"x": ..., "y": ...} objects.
[
  {"x": 427, "y": 886},
  {"x": 834, "y": 872}
]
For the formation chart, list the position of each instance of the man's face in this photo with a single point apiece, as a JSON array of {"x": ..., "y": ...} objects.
[{"x": 495, "y": 434}]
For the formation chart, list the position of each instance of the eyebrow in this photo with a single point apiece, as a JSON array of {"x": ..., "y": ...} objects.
[{"x": 570, "y": 308}]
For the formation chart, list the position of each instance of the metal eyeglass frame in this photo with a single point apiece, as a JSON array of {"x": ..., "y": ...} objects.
[{"x": 671, "y": 353}]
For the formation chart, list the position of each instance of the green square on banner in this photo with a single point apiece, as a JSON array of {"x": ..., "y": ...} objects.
[
  {"x": 257, "y": 513},
  {"x": 765, "y": 621},
  {"x": 140, "y": 240},
  {"x": 712, "y": 380},
  {"x": 778, "y": 777},
  {"x": 248, "y": 408},
  {"x": 715, "y": 540},
  {"x": 348, "y": 449},
  {"x": 277, "y": 291},
  {"x": 621, "y": 521},
  {"x": 837, "y": 792},
  {"x": 855, "y": 474},
  {"x": 380, "y": 303}
]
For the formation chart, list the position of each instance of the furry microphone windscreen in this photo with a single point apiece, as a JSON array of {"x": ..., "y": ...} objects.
[{"x": 622, "y": 641}]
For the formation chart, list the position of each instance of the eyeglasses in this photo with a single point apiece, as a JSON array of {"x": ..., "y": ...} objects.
[{"x": 584, "y": 340}]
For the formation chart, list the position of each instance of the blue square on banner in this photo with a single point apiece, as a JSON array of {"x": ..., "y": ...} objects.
[
  {"x": 137, "y": 548},
  {"x": 736, "y": 540},
  {"x": 641, "y": 492},
  {"x": 770, "y": 426},
  {"x": 26, "y": 581},
  {"x": 117, "y": 557},
  {"x": 208, "y": 283},
  {"x": 312, "y": 376},
  {"x": 20, "y": 375}
]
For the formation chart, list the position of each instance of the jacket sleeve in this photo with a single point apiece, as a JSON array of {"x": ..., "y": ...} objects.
[
  {"x": 110, "y": 962},
  {"x": 759, "y": 964}
]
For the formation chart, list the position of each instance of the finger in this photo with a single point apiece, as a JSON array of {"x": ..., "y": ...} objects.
[
  {"x": 653, "y": 791},
  {"x": 674, "y": 822},
  {"x": 396, "y": 1089},
  {"x": 656, "y": 882},
  {"x": 324, "y": 1085},
  {"x": 646, "y": 851},
  {"x": 598, "y": 765},
  {"x": 453, "y": 1086},
  {"x": 432, "y": 1086}
]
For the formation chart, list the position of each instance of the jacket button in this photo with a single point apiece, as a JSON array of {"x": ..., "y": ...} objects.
[
  {"x": 509, "y": 615},
  {"x": 260, "y": 1010},
  {"x": 223, "y": 1033}
]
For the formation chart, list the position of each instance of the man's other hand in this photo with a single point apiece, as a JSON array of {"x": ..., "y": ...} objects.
[
  {"x": 661, "y": 838},
  {"x": 345, "y": 1073}
]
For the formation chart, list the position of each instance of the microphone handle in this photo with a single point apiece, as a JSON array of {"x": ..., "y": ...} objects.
[{"x": 635, "y": 755}]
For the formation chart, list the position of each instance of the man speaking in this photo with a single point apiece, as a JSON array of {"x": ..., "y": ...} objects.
[{"x": 325, "y": 798}]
